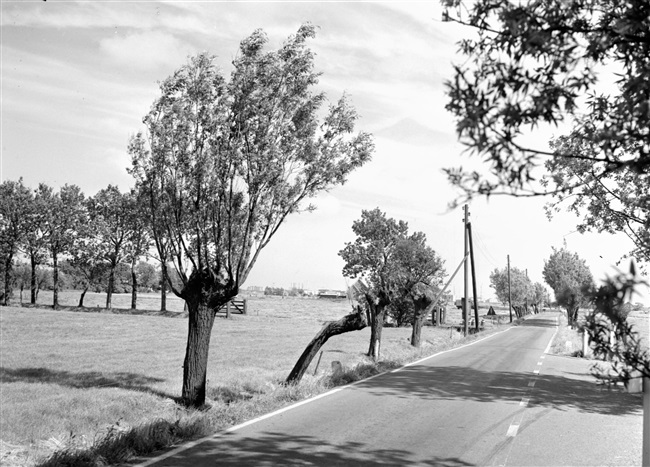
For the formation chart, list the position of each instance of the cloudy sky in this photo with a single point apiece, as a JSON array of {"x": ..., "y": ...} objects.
[{"x": 78, "y": 76}]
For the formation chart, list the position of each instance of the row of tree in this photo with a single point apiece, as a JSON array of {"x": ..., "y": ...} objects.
[
  {"x": 94, "y": 239},
  {"x": 397, "y": 273},
  {"x": 565, "y": 272},
  {"x": 72, "y": 278}
]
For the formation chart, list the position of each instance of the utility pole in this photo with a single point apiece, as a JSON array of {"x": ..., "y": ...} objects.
[
  {"x": 466, "y": 269},
  {"x": 471, "y": 257},
  {"x": 509, "y": 294}
]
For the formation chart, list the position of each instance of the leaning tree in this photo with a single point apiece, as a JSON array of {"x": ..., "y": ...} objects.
[{"x": 224, "y": 162}]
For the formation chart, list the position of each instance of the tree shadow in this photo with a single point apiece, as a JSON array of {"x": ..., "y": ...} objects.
[
  {"x": 454, "y": 383},
  {"x": 272, "y": 449},
  {"x": 83, "y": 380}
]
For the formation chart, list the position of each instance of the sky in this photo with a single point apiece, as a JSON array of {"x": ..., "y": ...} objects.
[{"x": 79, "y": 76}]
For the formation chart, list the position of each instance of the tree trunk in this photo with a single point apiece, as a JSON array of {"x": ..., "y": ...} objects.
[
  {"x": 422, "y": 303},
  {"x": 7, "y": 280},
  {"x": 352, "y": 322},
  {"x": 134, "y": 288},
  {"x": 377, "y": 327},
  {"x": 109, "y": 290},
  {"x": 83, "y": 294},
  {"x": 416, "y": 331},
  {"x": 32, "y": 261},
  {"x": 195, "y": 366},
  {"x": 163, "y": 288},
  {"x": 377, "y": 311},
  {"x": 55, "y": 281}
]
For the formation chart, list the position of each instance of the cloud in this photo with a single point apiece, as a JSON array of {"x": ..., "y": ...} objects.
[
  {"x": 145, "y": 50},
  {"x": 409, "y": 131}
]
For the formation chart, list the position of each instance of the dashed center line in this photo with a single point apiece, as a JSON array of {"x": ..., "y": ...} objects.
[
  {"x": 539, "y": 363},
  {"x": 512, "y": 430},
  {"x": 524, "y": 401},
  {"x": 531, "y": 384}
]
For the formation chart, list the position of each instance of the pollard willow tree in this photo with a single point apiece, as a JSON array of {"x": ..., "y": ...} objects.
[
  {"x": 223, "y": 163},
  {"x": 571, "y": 280},
  {"x": 370, "y": 258},
  {"x": 390, "y": 263}
]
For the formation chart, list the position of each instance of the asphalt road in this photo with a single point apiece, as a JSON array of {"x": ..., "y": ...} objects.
[{"x": 500, "y": 401}]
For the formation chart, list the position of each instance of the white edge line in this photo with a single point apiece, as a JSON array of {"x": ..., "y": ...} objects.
[
  {"x": 191, "y": 444},
  {"x": 557, "y": 326}
]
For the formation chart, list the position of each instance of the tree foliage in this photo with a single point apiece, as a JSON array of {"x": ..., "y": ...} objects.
[
  {"x": 110, "y": 216},
  {"x": 15, "y": 200},
  {"x": 521, "y": 287},
  {"x": 223, "y": 163},
  {"x": 571, "y": 280},
  {"x": 615, "y": 200},
  {"x": 626, "y": 353},
  {"x": 546, "y": 62},
  {"x": 417, "y": 272},
  {"x": 65, "y": 212}
]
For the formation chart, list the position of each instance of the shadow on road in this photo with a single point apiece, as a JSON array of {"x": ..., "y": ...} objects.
[
  {"x": 462, "y": 383},
  {"x": 539, "y": 322},
  {"x": 272, "y": 449}
]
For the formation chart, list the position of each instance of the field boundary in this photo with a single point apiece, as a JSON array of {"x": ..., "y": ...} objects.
[{"x": 191, "y": 444}]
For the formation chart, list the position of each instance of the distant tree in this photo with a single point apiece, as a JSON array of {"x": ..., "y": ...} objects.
[
  {"x": 65, "y": 213},
  {"x": 15, "y": 200},
  {"x": 521, "y": 287},
  {"x": 274, "y": 291},
  {"x": 21, "y": 277},
  {"x": 110, "y": 214},
  {"x": 89, "y": 272},
  {"x": 34, "y": 243},
  {"x": 224, "y": 164},
  {"x": 571, "y": 280},
  {"x": 138, "y": 240},
  {"x": 540, "y": 296},
  {"x": 401, "y": 310},
  {"x": 148, "y": 276}
]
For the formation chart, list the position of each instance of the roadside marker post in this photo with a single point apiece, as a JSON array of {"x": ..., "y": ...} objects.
[{"x": 646, "y": 422}]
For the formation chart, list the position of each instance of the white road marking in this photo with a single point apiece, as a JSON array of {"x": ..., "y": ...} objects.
[
  {"x": 539, "y": 363},
  {"x": 543, "y": 357},
  {"x": 548, "y": 347},
  {"x": 536, "y": 372},
  {"x": 531, "y": 384},
  {"x": 512, "y": 430},
  {"x": 524, "y": 401}
]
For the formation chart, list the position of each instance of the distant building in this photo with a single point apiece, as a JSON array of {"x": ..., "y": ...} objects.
[{"x": 337, "y": 294}]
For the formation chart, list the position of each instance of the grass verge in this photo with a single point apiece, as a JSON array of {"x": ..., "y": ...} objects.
[{"x": 100, "y": 388}]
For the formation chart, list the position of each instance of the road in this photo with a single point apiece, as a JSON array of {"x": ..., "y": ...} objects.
[{"x": 500, "y": 401}]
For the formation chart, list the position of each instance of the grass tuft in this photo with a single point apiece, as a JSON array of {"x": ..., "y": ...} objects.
[{"x": 121, "y": 443}]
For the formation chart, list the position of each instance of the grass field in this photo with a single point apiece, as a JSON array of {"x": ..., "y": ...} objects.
[{"x": 69, "y": 377}]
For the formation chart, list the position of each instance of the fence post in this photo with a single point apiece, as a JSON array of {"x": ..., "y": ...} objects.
[
  {"x": 245, "y": 305},
  {"x": 228, "y": 310}
]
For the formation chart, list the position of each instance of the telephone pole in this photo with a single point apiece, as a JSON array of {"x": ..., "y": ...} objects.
[
  {"x": 466, "y": 270},
  {"x": 509, "y": 294},
  {"x": 471, "y": 258}
]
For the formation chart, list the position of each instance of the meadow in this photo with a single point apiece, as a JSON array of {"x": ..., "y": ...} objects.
[{"x": 68, "y": 378}]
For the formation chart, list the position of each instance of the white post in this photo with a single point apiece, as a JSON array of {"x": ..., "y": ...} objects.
[{"x": 646, "y": 422}]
